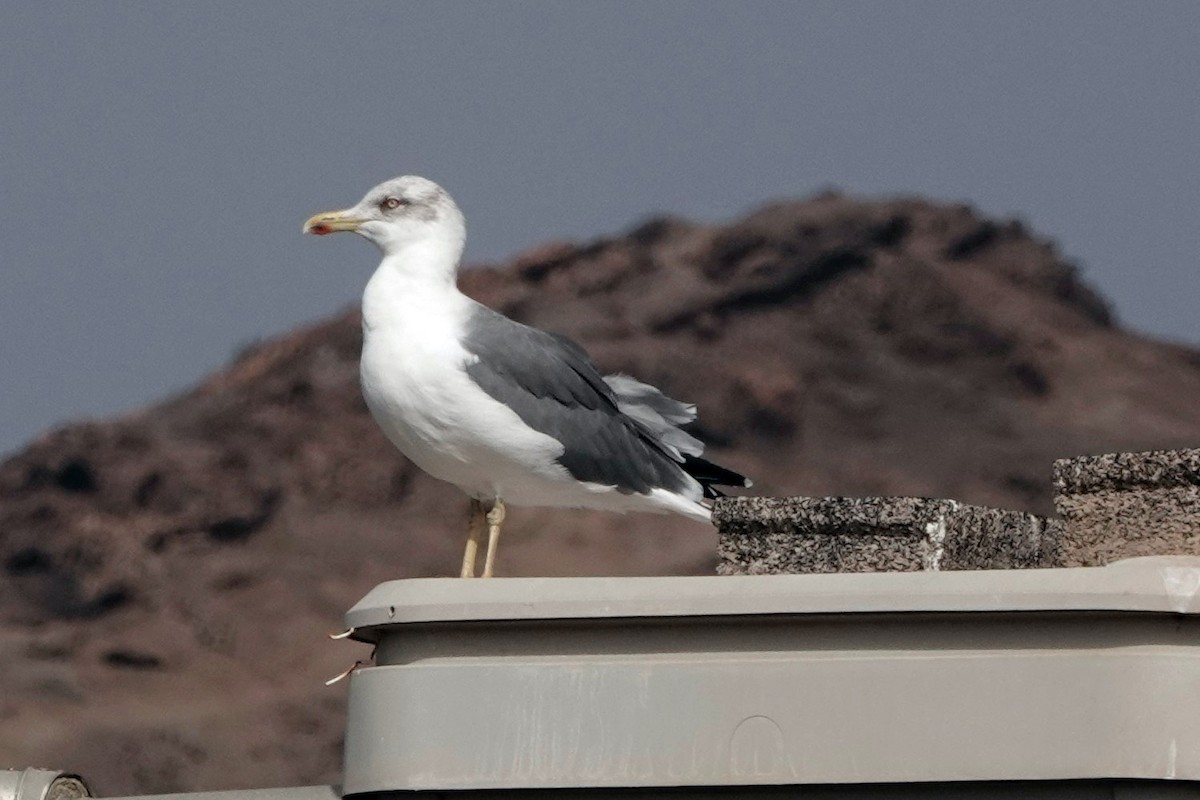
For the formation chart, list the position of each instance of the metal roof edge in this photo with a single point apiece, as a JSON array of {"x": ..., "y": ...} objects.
[{"x": 1164, "y": 584}]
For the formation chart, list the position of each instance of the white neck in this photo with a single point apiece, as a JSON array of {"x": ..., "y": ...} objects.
[{"x": 417, "y": 275}]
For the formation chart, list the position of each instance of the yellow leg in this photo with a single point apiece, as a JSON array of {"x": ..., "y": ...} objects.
[
  {"x": 495, "y": 518},
  {"x": 474, "y": 534}
]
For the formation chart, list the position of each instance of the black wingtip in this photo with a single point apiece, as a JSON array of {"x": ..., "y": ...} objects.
[{"x": 711, "y": 475}]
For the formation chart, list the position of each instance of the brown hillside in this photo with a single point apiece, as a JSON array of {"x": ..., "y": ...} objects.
[{"x": 169, "y": 576}]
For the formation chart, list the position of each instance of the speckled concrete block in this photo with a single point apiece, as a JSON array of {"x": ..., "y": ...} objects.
[
  {"x": 1122, "y": 505},
  {"x": 776, "y": 535}
]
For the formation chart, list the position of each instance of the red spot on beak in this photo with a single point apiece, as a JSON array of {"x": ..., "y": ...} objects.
[{"x": 320, "y": 229}]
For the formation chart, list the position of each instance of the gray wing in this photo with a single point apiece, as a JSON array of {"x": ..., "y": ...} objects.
[
  {"x": 552, "y": 385},
  {"x": 658, "y": 413}
]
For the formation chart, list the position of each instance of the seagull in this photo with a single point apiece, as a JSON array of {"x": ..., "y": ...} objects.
[{"x": 508, "y": 413}]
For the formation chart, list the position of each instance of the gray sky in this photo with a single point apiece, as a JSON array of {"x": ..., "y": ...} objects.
[{"x": 159, "y": 158}]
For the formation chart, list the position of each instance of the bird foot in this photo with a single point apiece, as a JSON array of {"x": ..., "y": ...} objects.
[
  {"x": 475, "y": 526},
  {"x": 495, "y": 518},
  {"x": 480, "y": 519}
]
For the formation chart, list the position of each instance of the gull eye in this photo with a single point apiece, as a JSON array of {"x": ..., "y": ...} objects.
[{"x": 393, "y": 202}]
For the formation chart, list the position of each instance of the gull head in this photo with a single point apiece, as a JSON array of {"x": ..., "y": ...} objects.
[{"x": 396, "y": 214}]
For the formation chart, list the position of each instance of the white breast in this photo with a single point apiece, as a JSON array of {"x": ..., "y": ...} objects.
[{"x": 416, "y": 386}]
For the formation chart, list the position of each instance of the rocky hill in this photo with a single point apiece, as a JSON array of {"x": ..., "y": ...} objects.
[{"x": 168, "y": 577}]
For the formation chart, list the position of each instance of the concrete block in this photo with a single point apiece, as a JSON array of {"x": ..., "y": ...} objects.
[
  {"x": 1123, "y": 505},
  {"x": 779, "y": 535}
]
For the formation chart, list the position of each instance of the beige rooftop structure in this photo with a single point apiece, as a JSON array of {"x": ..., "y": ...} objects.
[
  {"x": 854, "y": 648},
  {"x": 932, "y": 677}
]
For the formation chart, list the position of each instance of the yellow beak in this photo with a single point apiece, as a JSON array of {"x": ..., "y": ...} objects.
[{"x": 331, "y": 222}]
